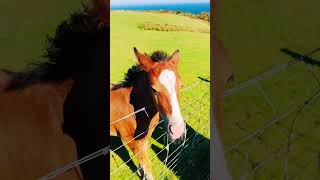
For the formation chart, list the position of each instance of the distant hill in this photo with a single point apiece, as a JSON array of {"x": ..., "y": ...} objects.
[{"x": 203, "y": 16}]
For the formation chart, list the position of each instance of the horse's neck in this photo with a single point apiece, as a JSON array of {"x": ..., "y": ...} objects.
[
  {"x": 141, "y": 94},
  {"x": 137, "y": 95}
]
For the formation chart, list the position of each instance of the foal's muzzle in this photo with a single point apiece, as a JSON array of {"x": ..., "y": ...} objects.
[{"x": 175, "y": 128}]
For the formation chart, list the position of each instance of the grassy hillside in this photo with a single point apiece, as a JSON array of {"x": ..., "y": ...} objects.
[
  {"x": 253, "y": 33},
  {"x": 125, "y": 35},
  {"x": 194, "y": 45}
]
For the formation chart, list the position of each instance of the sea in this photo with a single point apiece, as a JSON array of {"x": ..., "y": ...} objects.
[{"x": 194, "y": 8}]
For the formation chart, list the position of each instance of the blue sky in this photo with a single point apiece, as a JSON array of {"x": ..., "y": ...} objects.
[{"x": 145, "y": 2}]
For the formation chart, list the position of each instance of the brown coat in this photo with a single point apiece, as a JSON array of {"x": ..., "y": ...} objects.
[{"x": 32, "y": 140}]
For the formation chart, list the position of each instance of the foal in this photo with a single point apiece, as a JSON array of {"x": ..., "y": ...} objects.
[{"x": 155, "y": 84}]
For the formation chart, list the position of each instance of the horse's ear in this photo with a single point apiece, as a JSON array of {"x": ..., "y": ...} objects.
[
  {"x": 145, "y": 62},
  {"x": 175, "y": 58}
]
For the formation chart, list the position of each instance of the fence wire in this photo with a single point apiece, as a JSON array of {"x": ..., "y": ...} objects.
[
  {"x": 203, "y": 98},
  {"x": 279, "y": 147},
  {"x": 271, "y": 131},
  {"x": 194, "y": 107}
]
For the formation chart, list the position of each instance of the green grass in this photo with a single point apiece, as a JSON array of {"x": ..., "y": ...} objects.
[
  {"x": 24, "y": 26},
  {"x": 253, "y": 33},
  {"x": 125, "y": 35},
  {"x": 195, "y": 54}
]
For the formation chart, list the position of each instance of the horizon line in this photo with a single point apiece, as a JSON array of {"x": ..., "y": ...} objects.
[{"x": 158, "y": 3}]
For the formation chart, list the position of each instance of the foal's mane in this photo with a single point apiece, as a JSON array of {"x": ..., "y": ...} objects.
[
  {"x": 135, "y": 71},
  {"x": 66, "y": 53}
]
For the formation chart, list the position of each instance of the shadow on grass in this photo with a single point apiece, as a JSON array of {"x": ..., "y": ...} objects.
[
  {"x": 301, "y": 57},
  {"x": 123, "y": 153},
  {"x": 188, "y": 161},
  {"x": 192, "y": 157}
]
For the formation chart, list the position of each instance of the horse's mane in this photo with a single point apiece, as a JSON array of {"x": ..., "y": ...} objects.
[
  {"x": 135, "y": 71},
  {"x": 66, "y": 53}
]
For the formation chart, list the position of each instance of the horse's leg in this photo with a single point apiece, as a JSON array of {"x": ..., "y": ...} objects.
[
  {"x": 141, "y": 148},
  {"x": 141, "y": 151},
  {"x": 134, "y": 149}
]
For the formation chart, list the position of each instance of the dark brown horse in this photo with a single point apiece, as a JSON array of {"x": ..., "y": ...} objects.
[
  {"x": 54, "y": 112},
  {"x": 153, "y": 84}
]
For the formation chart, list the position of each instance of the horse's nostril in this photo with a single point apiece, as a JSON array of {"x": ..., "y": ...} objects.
[{"x": 170, "y": 129}]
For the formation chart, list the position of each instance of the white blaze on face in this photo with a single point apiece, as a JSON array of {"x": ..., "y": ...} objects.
[{"x": 167, "y": 78}]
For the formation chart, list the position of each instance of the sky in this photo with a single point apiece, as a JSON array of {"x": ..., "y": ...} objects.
[{"x": 145, "y": 2}]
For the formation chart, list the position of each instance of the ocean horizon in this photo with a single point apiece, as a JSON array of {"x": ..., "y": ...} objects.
[{"x": 194, "y": 8}]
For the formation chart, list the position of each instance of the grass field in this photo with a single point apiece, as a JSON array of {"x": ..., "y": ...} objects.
[
  {"x": 125, "y": 35},
  {"x": 253, "y": 33},
  {"x": 194, "y": 49},
  {"x": 24, "y": 25}
]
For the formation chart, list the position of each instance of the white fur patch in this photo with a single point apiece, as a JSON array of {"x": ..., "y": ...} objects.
[{"x": 168, "y": 79}]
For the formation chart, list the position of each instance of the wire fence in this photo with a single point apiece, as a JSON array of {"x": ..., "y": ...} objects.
[
  {"x": 271, "y": 131},
  {"x": 166, "y": 155},
  {"x": 195, "y": 100}
]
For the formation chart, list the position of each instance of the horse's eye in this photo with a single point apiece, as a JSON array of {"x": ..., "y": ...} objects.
[{"x": 154, "y": 91}]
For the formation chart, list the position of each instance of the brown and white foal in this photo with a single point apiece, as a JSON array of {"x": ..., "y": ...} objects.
[{"x": 155, "y": 84}]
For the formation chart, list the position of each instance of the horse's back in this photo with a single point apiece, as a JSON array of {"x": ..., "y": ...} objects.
[
  {"x": 120, "y": 107},
  {"x": 119, "y": 103}
]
